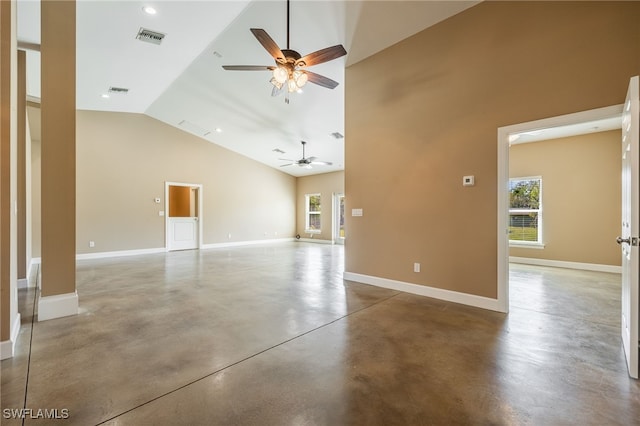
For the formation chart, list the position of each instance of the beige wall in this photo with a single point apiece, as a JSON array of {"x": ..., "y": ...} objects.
[
  {"x": 425, "y": 112},
  {"x": 580, "y": 196},
  {"x": 123, "y": 161},
  {"x": 326, "y": 184}
]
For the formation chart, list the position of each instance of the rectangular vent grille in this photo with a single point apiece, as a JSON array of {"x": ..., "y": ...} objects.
[
  {"x": 193, "y": 128},
  {"x": 118, "y": 90},
  {"x": 149, "y": 36},
  {"x": 337, "y": 135}
]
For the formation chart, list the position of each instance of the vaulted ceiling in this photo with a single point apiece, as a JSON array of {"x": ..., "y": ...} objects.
[{"x": 181, "y": 81}]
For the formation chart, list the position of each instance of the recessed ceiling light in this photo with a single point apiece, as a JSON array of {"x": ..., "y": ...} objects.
[
  {"x": 218, "y": 129},
  {"x": 104, "y": 95},
  {"x": 149, "y": 10}
]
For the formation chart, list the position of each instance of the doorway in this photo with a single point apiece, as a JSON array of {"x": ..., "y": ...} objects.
[
  {"x": 338, "y": 219},
  {"x": 506, "y": 136},
  {"x": 183, "y": 221}
]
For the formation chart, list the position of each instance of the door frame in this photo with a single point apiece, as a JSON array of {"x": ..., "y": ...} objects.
[
  {"x": 166, "y": 211},
  {"x": 503, "y": 181}
]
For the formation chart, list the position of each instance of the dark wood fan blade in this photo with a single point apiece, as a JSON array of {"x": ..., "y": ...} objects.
[
  {"x": 284, "y": 165},
  {"x": 267, "y": 42},
  {"x": 248, "y": 67},
  {"x": 323, "y": 55},
  {"x": 321, "y": 80}
]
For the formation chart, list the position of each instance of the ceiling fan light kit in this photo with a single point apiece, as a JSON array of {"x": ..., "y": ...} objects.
[{"x": 288, "y": 72}]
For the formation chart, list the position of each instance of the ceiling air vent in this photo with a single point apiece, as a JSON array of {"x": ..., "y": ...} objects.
[
  {"x": 149, "y": 36},
  {"x": 193, "y": 128},
  {"x": 337, "y": 135},
  {"x": 118, "y": 90}
]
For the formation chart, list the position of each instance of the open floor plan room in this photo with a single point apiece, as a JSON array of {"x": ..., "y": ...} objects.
[{"x": 271, "y": 335}]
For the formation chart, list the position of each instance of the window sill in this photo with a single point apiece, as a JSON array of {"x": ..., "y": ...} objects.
[
  {"x": 313, "y": 231},
  {"x": 522, "y": 244}
]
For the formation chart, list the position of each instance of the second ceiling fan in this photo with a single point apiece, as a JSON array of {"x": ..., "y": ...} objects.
[
  {"x": 305, "y": 162},
  {"x": 289, "y": 72}
]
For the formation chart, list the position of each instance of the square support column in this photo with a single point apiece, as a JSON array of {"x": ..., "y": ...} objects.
[{"x": 58, "y": 297}]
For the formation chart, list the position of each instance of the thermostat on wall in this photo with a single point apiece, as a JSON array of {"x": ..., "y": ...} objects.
[{"x": 468, "y": 180}]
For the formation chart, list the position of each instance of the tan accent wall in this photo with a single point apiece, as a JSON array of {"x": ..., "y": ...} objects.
[
  {"x": 326, "y": 184},
  {"x": 425, "y": 112},
  {"x": 123, "y": 162},
  {"x": 8, "y": 172},
  {"x": 58, "y": 202},
  {"x": 179, "y": 201},
  {"x": 36, "y": 162},
  {"x": 21, "y": 163},
  {"x": 580, "y": 196}
]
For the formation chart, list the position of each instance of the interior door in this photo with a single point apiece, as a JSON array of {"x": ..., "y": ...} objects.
[
  {"x": 183, "y": 230},
  {"x": 630, "y": 227},
  {"x": 183, "y": 233}
]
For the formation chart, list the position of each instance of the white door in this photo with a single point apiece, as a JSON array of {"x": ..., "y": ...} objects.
[
  {"x": 630, "y": 227},
  {"x": 183, "y": 233}
]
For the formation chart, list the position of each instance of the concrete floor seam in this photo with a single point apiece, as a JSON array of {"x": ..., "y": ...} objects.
[{"x": 33, "y": 318}]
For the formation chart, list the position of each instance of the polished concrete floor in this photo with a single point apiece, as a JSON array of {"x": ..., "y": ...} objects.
[{"x": 272, "y": 335}]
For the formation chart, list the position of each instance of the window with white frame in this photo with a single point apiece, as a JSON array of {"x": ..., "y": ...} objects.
[
  {"x": 525, "y": 210},
  {"x": 312, "y": 213}
]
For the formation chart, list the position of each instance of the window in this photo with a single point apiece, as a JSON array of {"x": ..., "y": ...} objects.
[
  {"x": 313, "y": 212},
  {"x": 525, "y": 210}
]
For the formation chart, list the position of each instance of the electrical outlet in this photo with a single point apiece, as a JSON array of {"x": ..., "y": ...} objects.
[
  {"x": 229, "y": 236},
  {"x": 92, "y": 243},
  {"x": 416, "y": 267}
]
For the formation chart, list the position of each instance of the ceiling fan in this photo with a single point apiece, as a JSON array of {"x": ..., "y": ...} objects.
[
  {"x": 305, "y": 162},
  {"x": 290, "y": 71}
]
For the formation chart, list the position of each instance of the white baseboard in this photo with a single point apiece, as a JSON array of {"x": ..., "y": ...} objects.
[
  {"x": 119, "y": 253},
  {"x": 58, "y": 306},
  {"x": 569, "y": 265},
  {"x": 422, "y": 290},
  {"x": 315, "y": 240},
  {"x": 8, "y": 347},
  {"x": 245, "y": 243},
  {"x": 23, "y": 283}
]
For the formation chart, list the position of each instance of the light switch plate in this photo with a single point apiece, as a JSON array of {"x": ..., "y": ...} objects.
[{"x": 468, "y": 180}]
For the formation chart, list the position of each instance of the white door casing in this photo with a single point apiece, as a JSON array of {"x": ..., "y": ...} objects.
[{"x": 630, "y": 227}]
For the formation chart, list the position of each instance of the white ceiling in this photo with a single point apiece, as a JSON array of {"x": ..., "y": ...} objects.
[
  {"x": 558, "y": 132},
  {"x": 182, "y": 80}
]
